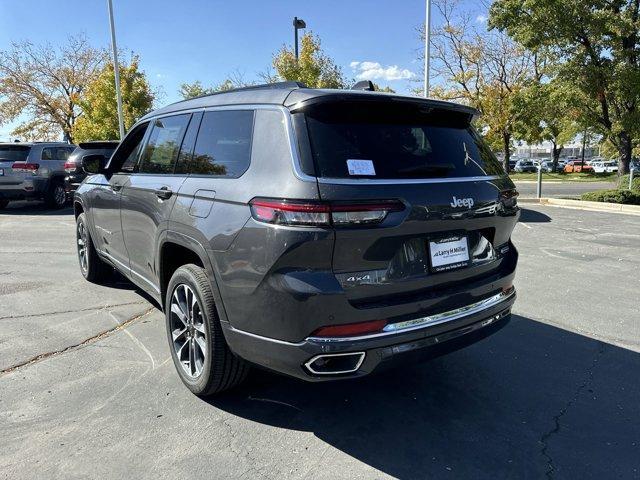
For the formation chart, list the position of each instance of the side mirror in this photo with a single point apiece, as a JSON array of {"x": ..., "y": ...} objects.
[{"x": 94, "y": 163}]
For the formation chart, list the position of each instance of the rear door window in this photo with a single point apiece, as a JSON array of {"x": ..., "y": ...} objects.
[
  {"x": 161, "y": 151},
  {"x": 223, "y": 147},
  {"x": 375, "y": 140},
  {"x": 14, "y": 153}
]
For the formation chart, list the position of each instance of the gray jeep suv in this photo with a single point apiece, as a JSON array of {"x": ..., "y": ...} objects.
[
  {"x": 318, "y": 233},
  {"x": 33, "y": 171}
]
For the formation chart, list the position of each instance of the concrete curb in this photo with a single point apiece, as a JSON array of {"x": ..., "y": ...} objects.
[{"x": 583, "y": 205}]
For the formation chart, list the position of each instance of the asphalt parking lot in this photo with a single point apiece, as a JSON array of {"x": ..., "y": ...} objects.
[{"x": 88, "y": 390}]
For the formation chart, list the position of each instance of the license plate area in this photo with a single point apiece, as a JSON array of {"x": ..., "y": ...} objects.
[{"x": 448, "y": 253}]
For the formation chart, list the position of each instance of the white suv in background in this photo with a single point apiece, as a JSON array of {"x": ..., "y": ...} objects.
[{"x": 605, "y": 167}]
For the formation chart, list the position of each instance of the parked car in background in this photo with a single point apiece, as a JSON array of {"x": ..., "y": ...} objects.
[
  {"x": 512, "y": 163},
  {"x": 73, "y": 165},
  {"x": 547, "y": 166},
  {"x": 576, "y": 166},
  {"x": 523, "y": 166},
  {"x": 33, "y": 170},
  {"x": 272, "y": 235},
  {"x": 604, "y": 167}
]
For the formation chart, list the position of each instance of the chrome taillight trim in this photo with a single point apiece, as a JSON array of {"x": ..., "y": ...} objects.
[{"x": 423, "y": 322}]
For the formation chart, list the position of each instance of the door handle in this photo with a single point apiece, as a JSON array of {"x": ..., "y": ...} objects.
[{"x": 163, "y": 193}]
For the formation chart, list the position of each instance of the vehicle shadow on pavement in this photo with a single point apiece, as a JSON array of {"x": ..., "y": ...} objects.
[
  {"x": 533, "y": 216},
  {"x": 35, "y": 208},
  {"x": 530, "y": 401}
]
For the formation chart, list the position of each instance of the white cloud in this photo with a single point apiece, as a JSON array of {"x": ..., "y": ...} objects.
[
  {"x": 481, "y": 19},
  {"x": 375, "y": 71}
]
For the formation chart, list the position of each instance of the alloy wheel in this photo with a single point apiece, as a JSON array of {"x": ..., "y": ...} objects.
[
  {"x": 188, "y": 333},
  {"x": 59, "y": 195},
  {"x": 81, "y": 237}
]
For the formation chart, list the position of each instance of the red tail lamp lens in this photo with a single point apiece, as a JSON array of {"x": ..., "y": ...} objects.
[
  {"x": 350, "y": 329},
  {"x": 284, "y": 212}
]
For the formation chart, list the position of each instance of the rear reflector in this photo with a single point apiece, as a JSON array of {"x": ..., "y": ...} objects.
[
  {"x": 350, "y": 329},
  {"x": 284, "y": 212},
  {"x": 25, "y": 167}
]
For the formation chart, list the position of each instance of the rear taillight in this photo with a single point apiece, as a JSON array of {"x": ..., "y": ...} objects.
[
  {"x": 70, "y": 167},
  {"x": 284, "y": 212},
  {"x": 25, "y": 167},
  {"x": 350, "y": 329}
]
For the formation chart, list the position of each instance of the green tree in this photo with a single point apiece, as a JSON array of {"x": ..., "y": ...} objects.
[
  {"x": 545, "y": 112},
  {"x": 599, "y": 42},
  {"x": 314, "y": 68},
  {"x": 196, "y": 89},
  {"x": 44, "y": 85},
  {"x": 386, "y": 89},
  {"x": 483, "y": 69},
  {"x": 99, "y": 119}
]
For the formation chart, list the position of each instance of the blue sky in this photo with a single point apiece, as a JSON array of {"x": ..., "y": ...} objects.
[{"x": 186, "y": 40}]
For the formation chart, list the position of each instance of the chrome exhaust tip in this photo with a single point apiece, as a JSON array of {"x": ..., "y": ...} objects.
[{"x": 335, "y": 363}]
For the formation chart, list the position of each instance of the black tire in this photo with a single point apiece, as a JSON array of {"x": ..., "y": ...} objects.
[
  {"x": 3, "y": 204},
  {"x": 92, "y": 268},
  {"x": 56, "y": 197},
  {"x": 221, "y": 369}
]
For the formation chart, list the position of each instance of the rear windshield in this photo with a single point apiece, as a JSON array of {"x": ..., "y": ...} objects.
[
  {"x": 14, "y": 153},
  {"x": 78, "y": 153},
  {"x": 395, "y": 141}
]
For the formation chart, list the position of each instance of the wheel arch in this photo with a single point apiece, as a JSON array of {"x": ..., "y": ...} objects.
[{"x": 177, "y": 249}]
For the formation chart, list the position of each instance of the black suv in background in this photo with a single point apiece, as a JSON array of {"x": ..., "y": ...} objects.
[
  {"x": 73, "y": 165},
  {"x": 318, "y": 233}
]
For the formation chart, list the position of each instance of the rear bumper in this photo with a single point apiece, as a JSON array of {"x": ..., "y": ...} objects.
[
  {"x": 28, "y": 189},
  {"x": 422, "y": 338}
]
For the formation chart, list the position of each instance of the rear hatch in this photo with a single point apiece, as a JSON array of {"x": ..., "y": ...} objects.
[
  {"x": 10, "y": 154},
  {"x": 459, "y": 206}
]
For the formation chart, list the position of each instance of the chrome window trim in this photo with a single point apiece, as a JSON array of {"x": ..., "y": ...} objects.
[
  {"x": 423, "y": 322},
  {"x": 288, "y": 123},
  {"x": 295, "y": 154},
  {"x": 404, "y": 181}
]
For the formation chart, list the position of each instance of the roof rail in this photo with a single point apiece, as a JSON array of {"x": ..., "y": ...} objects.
[{"x": 266, "y": 86}]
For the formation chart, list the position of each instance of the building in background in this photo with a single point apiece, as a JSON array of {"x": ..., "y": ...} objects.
[{"x": 545, "y": 150}]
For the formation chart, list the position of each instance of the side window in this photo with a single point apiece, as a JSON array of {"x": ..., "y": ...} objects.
[
  {"x": 223, "y": 147},
  {"x": 63, "y": 153},
  {"x": 161, "y": 151},
  {"x": 126, "y": 158},
  {"x": 48, "y": 153}
]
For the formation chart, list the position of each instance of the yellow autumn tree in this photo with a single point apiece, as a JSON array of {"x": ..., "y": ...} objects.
[{"x": 314, "y": 68}]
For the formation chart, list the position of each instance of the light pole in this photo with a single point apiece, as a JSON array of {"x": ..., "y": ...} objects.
[
  {"x": 116, "y": 69},
  {"x": 427, "y": 47},
  {"x": 298, "y": 23}
]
